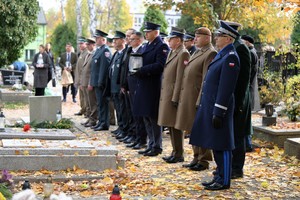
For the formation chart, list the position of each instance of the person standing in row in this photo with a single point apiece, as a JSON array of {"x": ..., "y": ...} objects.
[
  {"x": 41, "y": 63},
  {"x": 84, "y": 109},
  {"x": 68, "y": 62},
  {"x": 51, "y": 70},
  {"x": 189, "y": 43},
  {"x": 146, "y": 99},
  {"x": 193, "y": 77},
  {"x": 89, "y": 95},
  {"x": 213, "y": 125},
  {"x": 99, "y": 75},
  {"x": 170, "y": 91}
]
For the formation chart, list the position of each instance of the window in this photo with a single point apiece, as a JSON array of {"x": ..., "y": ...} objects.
[{"x": 29, "y": 54}]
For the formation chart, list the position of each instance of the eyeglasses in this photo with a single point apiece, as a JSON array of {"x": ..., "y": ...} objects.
[{"x": 132, "y": 39}]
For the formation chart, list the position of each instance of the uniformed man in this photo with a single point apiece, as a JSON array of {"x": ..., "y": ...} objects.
[
  {"x": 189, "y": 42},
  {"x": 194, "y": 74},
  {"x": 170, "y": 91},
  {"x": 89, "y": 95},
  {"x": 146, "y": 99},
  {"x": 80, "y": 61},
  {"x": 99, "y": 75},
  {"x": 213, "y": 125},
  {"x": 242, "y": 113},
  {"x": 114, "y": 71}
]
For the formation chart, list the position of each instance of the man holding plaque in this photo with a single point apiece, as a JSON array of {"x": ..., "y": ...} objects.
[{"x": 146, "y": 99}]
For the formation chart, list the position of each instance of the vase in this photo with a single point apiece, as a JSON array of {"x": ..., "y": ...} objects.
[{"x": 293, "y": 118}]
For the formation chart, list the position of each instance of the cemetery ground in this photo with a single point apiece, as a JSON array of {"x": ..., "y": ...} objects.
[{"x": 268, "y": 173}]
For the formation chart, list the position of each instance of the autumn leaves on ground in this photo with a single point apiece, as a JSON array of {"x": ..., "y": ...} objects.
[{"x": 269, "y": 174}]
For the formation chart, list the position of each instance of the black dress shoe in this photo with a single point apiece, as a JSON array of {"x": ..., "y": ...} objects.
[
  {"x": 131, "y": 144},
  {"x": 84, "y": 123},
  {"x": 153, "y": 152},
  {"x": 205, "y": 183},
  {"x": 101, "y": 128},
  {"x": 121, "y": 136},
  {"x": 129, "y": 140},
  {"x": 63, "y": 100},
  {"x": 74, "y": 101},
  {"x": 125, "y": 138},
  {"x": 96, "y": 126},
  {"x": 167, "y": 158},
  {"x": 115, "y": 131},
  {"x": 144, "y": 151},
  {"x": 78, "y": 114},
  {"x": 175, "y": 160},
  {"x": 189, "y": 165},
  {"x": 236, "y": 175},
  {"x": 198, "y": 167},
  {"x": 139, "y": 146},
  {"x": 90, "y": 124},
  {"x": 216, "y": 186}
]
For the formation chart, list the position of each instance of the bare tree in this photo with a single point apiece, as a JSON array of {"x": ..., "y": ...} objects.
[
  {"x": 93, "y": 19},
  {"x": 78, "y": 18},
  {"x": 63, "y": 15}
]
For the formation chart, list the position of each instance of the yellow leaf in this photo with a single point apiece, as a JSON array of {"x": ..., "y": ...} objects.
[
  {"x": 93, "y": 152},
  {"x": 17, "y": 152},
  {"x": 26, "y": 153},
  {"x": 265, "y": 184},
  {"x": 108, "y": 180},
  {"x": 108, "y": 143},
  {"x": 265, "y": 198},
  {"x": 76, "y": 154},
  {"x": 86, "y": 193}
]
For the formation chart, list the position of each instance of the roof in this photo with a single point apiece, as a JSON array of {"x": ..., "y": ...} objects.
[{"x": 41, "y": 19}]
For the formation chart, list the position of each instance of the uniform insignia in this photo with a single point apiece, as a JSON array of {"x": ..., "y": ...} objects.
[
  {"x": 95, "y": 61},
  {"x": 165, "y": 50},
  {"x": 186, "y": 62},
  {"x": 107, "y": 54},
  {"x": 231, "y": 52},
  {"x": 231, "y": 64}
]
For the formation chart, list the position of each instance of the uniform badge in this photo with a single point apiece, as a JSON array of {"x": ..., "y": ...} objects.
[
  {"x": 231, "y": 64},
  {"x": 186, "y": 62},
  {"x": 107, "y": 54},
  {"x": 231, "y": 52},
  {"x": 95, "y": 61},
  {"x": 165, "y": 51}
]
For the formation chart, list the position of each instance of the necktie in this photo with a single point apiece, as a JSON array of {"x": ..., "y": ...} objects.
[{"x": 68, "y": 57}]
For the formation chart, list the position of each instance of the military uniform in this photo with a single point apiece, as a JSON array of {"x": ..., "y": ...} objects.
[
  {"x": 99, "y": 75},
  {"x": 146, "y": 99},
  {"x": 217, "y": 105}
]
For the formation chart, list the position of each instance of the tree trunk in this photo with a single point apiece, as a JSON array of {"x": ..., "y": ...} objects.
[
  {"x": 93, "y": 19},
  {"x": 78, "y": 20},
  {"x": 63, "y": 15}
]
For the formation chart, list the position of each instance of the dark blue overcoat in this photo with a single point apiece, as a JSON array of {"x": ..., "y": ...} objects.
[
  {"x": 146, "y": 98},
  {"x": 217, "y": 98}
]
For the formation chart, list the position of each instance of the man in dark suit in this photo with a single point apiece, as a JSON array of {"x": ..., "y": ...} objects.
[
  {"x": 98, "y": 80},
  {"x": 129, "y": 83},
  {"x": 213, "y": 125},
  {"x": 68, "y": 62},
  {"x": 146, "y": 99},
  {"x": 189, "y": 42},
  {"x": 242, "y": 112}
]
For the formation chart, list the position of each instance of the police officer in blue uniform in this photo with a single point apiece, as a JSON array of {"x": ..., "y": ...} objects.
[
  {"x": 98, "y": 80},
  {"x": 213, "y": 125},
  {"x": 146, "y": 99}
]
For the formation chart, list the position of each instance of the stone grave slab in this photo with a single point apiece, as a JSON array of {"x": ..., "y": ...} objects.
[
  {"x": 8, "y": 95},
  {"x": 59, "y": 155},
  {"x": 277, "y": 136},
  {"x": 292, "y": 147},
  {"x": 46, "y": 134},
  {"x": 9, "y": 77},
  {"x": 44, "y": 108},
  {"x": 21, "y": 143}
]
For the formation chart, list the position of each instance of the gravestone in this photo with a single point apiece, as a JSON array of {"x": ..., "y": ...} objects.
[
  {"x": 24, "y": 143},
  {"x": 44, "y": 108},
  {"x": 10, "y": 77},
  {"x": 292, "y": 147},
  {"x": 8, "y": 95}
]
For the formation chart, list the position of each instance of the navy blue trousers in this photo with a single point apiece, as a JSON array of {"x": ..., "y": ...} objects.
[{"x": 223, "y": 160}]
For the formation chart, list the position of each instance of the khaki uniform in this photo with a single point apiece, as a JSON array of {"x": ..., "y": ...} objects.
[{"x": 170, "y": 91}]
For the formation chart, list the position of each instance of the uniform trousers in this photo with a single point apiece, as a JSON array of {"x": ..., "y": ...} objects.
[
  {"x": 202, "y": 156},
  {"x": 83, "y": 103},
  {"x": 153, "y": 133},
  {"x": 103, "y": 108},
  {"x": 90, "y": 98},
  {"x": 39, "y": 91},
  {"x": 239, "y": 154},
  {"x": 177, "y": 138},
  {"x": 223, "y": 160},
  {"x": 115, "y": 97}
]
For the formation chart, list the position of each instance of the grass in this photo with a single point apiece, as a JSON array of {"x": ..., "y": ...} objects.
[{"x": 14, "y": 105}]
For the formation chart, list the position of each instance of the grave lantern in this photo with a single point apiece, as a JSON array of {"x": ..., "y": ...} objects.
[
  {"x": 269, "y": 109},
  {"x": 2, "y": 122}
]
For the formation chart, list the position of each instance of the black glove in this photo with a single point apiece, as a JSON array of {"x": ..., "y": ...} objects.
[
  {"x": 175, "y": 104},
  {"x": 217, "y": 122}
]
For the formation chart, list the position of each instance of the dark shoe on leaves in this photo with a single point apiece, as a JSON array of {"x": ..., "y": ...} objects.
[
  {"x": 144, "y": 151},
  {"x": 153, "y": 152},
  {"x": 165, "y": 158},
  {"x": 216, "y": 186},
  {"x": 205, "y": 183},
  {"x": 139, "y": 146},
  {"x": 189, "y": 165},
  {"x": 74, "y": 101},
  {"x": 96, "y": 126},
  {"x": 90, "y": 124},
  {"x": 236, "y": 175},
  {"x": 175, "y": 160},
  {"x": 198, "y": 167},
  {"x": 101, "y": 128},
  {"x": 78, "y": 114},
  {"x": 131, "y": 144}
]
